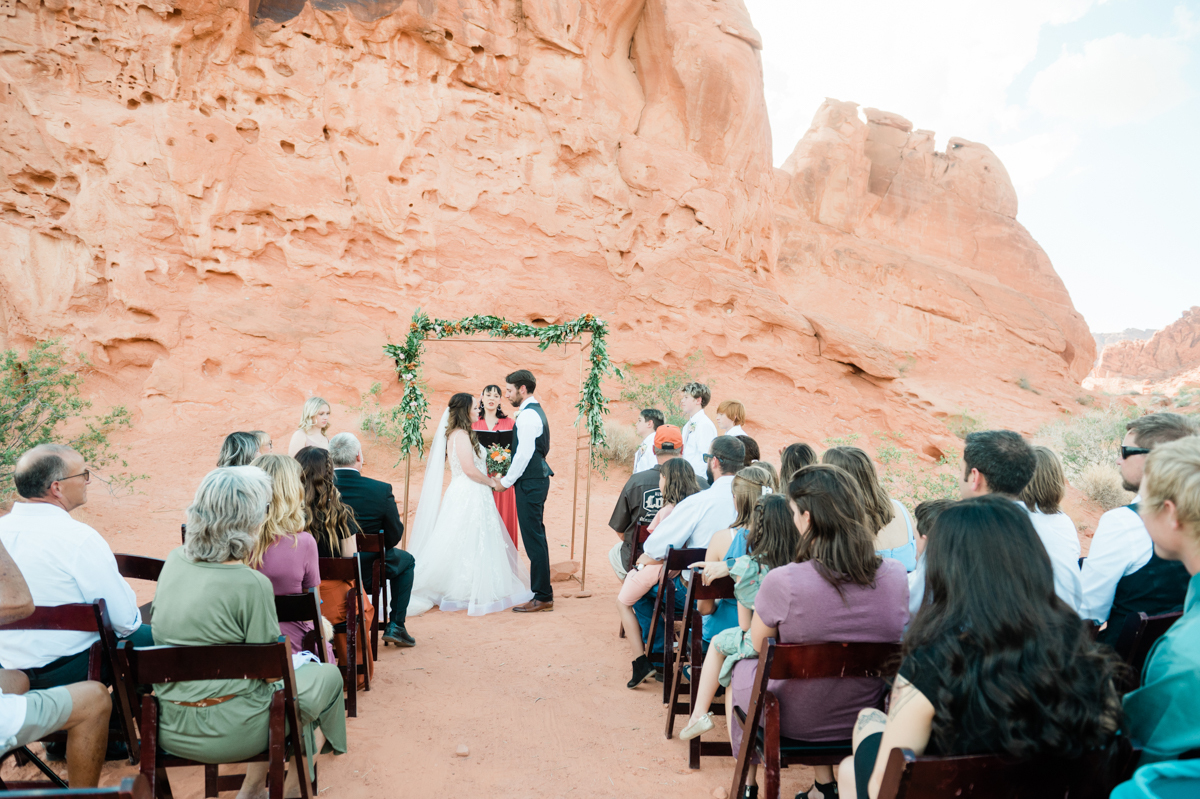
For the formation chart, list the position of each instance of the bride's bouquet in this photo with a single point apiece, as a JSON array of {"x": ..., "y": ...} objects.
[{"x": 499, "y": 458}]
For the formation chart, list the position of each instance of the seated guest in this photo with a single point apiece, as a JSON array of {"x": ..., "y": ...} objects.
[
  {"x": 837, "y": 590},
  {"x": 894, "y": 534},
  {"x": 648, "y": 422},
  {"x": 676, "y": 482},
  {"x": 207, "y": 596},
  {"x": 927, "y": 513},
  {"x": 792, "y": 459},
  {"x": 63, "y": 561},
  {"x": 283, "y": 551},
  {"x": 1122, "y": 574},
  {"x": 753, "y": 454},
  {"x": 1162, "y": 713},
  {"x": 693, "y": 522},
  {"x": 1001, "y": 462},
  {"x": 994, "y": 662},
  {"x": 239, "y": 449},
  {"x": 641, "y": 499},
  {"x": 731, "y": 415},
  {"x": 374, "y": 509},
  {"x": 314, "y": 422},
  {"x": 81, "y": 709},
  {"x": 698, "y": 431},
  {"x": 1043, "y": 496},
  {"x": 265, "y": 445}
]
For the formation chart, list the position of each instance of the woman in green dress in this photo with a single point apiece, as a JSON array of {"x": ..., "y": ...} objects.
[{"x": 207, "y": 595}]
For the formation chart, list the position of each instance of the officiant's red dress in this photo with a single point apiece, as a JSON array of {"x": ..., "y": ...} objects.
[{"x": 506, "y": 501}]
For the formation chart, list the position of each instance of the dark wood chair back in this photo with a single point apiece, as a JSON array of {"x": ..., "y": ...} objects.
[
  {"x": 376, "y": 544},
  {"x": 350, "y": 570},
  {"x": 305, "y": 607},
  {"x": 183, "y": 533},
  {"x": 88, "y": 618},
  {"x": 801, "y": 662},
  {"x": 664, "y": 615},
  {"x": 137, "y": 567},
  {"x": 130, "y": 788},
  {"x": 691, "y": 651},
  {"x": 267, "y": 662},
  {"x": 643, "y": 532},
  {"x": 1092, "y": 776},
  {"x": 1138, "y": 637}
]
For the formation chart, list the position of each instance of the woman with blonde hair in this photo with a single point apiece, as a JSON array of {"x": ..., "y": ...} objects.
[
  {"x": 283, "y": 550},
  {"x": 314, "y": 422},
  {"x": 888, "y": 519}
]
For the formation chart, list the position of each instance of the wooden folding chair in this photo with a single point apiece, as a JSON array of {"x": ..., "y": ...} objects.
[
  {"x": 664, "y": 607},
  {"x": 643, "y": 532},
  {"x": 375, "y": 543},
  {"x": 183, "y": 533},
  {"x": 356, "y": 624},
  {"x": 269, "y": 662},
  {"x": 692, "y": 643},
  {"x": 1138, "y": 637},
  {"x": 137, "y": 567},
  {"x": 1092, "y": 776},
  {"x": 800, "y": 662},
  {"x": 85, "y": 618},
  {"x": 130, "y": 788},
  {"x": 304, "y": 607}
]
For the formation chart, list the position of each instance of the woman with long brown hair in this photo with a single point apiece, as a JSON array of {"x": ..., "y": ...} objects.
[
  {"x": 888, "y": 519},
  {"x": 837, "y": 590},
  {"x": 465, "y": 557}
]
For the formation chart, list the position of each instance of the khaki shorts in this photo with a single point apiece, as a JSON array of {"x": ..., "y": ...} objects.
[{"x": 46, "y": 711}]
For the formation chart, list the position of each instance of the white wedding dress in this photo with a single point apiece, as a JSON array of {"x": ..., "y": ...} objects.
[{"x": 465, "y": 559}]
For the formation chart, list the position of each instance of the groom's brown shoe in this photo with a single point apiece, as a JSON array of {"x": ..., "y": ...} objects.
[{"x": 534, "y": 606}]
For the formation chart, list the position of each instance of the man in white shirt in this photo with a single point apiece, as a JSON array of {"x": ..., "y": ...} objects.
[
  {"x": 1002, "y": 462},
  {"x": 63, "y": 561},
  {"x": 1122, "y": 575},
  {"x": 648, "y": 422},
  {"x": 26, "y": 716},
  {"x": 731, "y": 414},
  {"x": 699, "y": 432}
]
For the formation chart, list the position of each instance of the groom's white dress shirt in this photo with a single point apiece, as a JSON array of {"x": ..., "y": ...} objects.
[
  {"x": 698, "y": 435},
  {"x": 528, "y": 427},
  {"x": 694, "y": 520},
  {"x": 63, "y": 561},
  {"x": 645, "y": 459}
]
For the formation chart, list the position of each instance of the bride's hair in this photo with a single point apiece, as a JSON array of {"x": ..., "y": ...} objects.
[
  {"x": 500, "y": 414},
  {"x": 461, "y": 405}
]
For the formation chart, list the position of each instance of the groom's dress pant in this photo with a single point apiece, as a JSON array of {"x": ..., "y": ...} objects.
[
  {"x": 531, "y": 508},
  {"x": 399, "y": 568}
]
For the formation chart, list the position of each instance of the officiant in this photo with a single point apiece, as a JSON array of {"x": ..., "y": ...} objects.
[{"x": 494, "y": 429}]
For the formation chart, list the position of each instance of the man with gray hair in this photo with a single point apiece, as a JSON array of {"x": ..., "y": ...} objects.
[
  {"x": 374, "y": 507},
  {"x": 64, "y": 561}
]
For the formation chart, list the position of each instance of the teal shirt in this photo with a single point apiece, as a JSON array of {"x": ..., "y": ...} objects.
[{"x": 1162, "y": 713}]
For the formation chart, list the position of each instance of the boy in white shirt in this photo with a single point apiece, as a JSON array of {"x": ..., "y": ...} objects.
[
  {"x": 647, "y": 424},
  {"x": 699, "y": 431}
]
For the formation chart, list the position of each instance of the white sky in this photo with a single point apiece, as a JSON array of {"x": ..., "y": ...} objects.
[{"x": 1092, "y": 105}]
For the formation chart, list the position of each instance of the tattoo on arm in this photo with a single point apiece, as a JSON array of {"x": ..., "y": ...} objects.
[
  {"x": 869, "y": 717},
  {"x": 902, "y": 694}
]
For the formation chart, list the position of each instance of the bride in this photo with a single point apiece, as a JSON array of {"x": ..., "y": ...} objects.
[{"x": 465, "y": 557}]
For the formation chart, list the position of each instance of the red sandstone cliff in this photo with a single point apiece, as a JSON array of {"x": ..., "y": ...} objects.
[
  {"x": 231, "y": 205},
  {"x": 1169, "y": 359}
]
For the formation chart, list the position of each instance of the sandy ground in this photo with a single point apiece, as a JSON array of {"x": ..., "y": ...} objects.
[{"x": 539, "y": 700}]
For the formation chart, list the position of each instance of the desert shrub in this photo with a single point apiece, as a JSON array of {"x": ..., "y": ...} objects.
[
  {"x": 911, "y": 481},
  {"x": 40, "y": 403},
  {"x": 621, "y": 442},
  {"x": 1102, "y": 484},
  {"x": 1087, "y": 440},
  {"x": 1187, "y": 397},
  {"x": 385, "y": 424},
  {"x": 840, "y": 441},
  {"x": 965, "y": 422},
  {"x": 660, "y": 388}
]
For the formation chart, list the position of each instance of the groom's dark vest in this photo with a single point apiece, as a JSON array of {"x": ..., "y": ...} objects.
[{"x": 537, "y": 468}]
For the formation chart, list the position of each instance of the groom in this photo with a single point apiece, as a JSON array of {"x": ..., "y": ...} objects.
[{"x": 531, "y": 475}]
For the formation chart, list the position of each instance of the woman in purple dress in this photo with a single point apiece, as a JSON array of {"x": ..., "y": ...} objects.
[{"x": 837, "y": 590}]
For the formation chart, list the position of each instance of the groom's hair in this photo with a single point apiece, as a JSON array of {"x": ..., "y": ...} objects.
[{"x": 522, "y": 377}]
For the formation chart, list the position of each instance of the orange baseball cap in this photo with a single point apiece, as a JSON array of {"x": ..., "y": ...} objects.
[{"x": 668, "y": 440}]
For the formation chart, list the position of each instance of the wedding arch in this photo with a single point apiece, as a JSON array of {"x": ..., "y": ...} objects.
[{"x": 591, "y": 403}]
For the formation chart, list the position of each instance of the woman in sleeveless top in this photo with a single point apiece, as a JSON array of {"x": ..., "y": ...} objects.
[
  {"x": 895, "y": 536},
  {"x": 314, "y": 422}
]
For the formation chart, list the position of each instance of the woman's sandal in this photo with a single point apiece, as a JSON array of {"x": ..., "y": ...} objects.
[
  {"x": 829, "y": 790},
  {"x": 697, "y": 727}
]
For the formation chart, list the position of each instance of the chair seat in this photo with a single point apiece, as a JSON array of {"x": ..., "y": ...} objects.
[{"x": 791, "y": 748}]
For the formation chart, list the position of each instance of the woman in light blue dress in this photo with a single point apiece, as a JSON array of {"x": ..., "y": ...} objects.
[{"x": 895, "y": 536}]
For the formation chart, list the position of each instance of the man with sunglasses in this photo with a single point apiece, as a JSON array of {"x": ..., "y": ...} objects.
[
  {"x": 63, "y": 561},
  {"x": 1122, "y": 575}
]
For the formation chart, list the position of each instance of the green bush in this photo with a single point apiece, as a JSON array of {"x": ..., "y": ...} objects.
[
  {"x": 1088, "y": 440},
  {"x": 840, "y": 441},
  {"x": 383, "y": 424},
  {"x": 911, "y": 481},
  {"x": 660, "y": 389},
  {"x": 964, "y": 423},
  {"x": 40, "y": 403}
]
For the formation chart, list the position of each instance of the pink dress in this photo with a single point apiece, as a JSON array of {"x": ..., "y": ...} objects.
[
  {"x": 506, "y": 501},
  {"x": 291, "y": 566}
]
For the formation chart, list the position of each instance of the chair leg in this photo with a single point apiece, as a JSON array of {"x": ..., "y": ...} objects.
[
  {"x": 771, "y": 757},
  {"x": 676, "y": 682},
  {"x": 162, "y": 785},
  {"x": 277, "y": 748},
  {"x": 668, "y": 638},
  {"x": 352, "y": 665},
  {"x": 212, "y": 777}
]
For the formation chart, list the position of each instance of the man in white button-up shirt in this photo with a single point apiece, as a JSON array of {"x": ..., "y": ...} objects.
[
  {"x": 648, "y": 422},
  {"x": 699, "y": 432},
  {"x": 63, "y": 561}
]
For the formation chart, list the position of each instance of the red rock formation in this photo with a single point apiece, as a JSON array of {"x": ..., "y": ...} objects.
[
  {"x": 233, "y": 204},
  {"x": 1169, "y": 359}
]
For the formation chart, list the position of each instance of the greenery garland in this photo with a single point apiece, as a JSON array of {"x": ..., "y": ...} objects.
[{"x": 414, "y": 406}]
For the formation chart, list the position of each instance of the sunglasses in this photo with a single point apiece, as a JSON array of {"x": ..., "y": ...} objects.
[
  {"x": 1128, "y": 452},
  {"x": 86, "y": 474}
]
